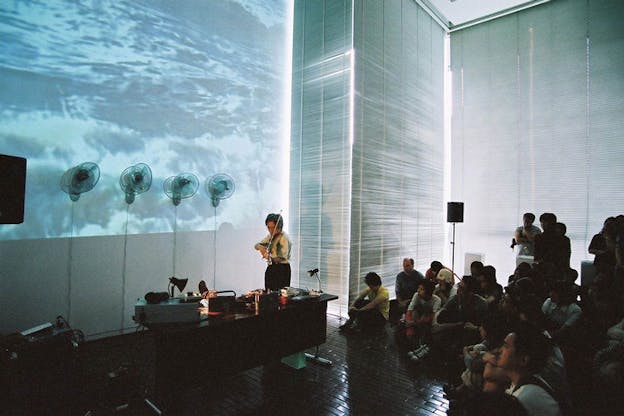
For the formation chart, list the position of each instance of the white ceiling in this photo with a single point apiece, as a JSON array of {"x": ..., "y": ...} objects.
[{"x": 459, "y": 12}]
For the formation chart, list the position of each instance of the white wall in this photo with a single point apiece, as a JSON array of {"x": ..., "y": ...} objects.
[{"x": 34, "y": 279}]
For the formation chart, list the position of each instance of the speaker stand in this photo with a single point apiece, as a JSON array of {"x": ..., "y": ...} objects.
[
  {"x": 316, "y": 359},
  {"x": 453, "y": 251},
  {"x": 153, "y": 407}
]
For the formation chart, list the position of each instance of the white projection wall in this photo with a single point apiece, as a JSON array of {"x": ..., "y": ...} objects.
[
  {"x": 194, "y": 86},
  {"x": 537, "y": 125}
]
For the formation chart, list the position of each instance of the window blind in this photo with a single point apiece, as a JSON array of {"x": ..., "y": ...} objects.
[{"x": 536, "y": 126}]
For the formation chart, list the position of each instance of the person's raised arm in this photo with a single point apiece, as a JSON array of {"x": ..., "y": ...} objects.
[{"x": 262, "y": 245}]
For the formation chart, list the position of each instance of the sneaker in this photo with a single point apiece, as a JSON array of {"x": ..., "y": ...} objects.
[
  {"x": 423, "y": 352},
  {"x": 202, "y": 287},
  {"x": 415, "y": 352},
  {"x": 447, "y": 388},
  {"x": 420, "y": 353},
  {"x": 346, "y": 325},
  {"x": 457, "y": 393}
]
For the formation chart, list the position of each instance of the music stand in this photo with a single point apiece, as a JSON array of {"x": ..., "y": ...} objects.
[{"x": 315, "y": 357}]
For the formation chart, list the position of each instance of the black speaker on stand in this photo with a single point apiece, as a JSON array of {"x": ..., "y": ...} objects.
[{"x": 454, "y": 214}]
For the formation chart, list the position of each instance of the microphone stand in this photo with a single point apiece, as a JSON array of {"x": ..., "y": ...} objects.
[{"x": 315, "y": 357}]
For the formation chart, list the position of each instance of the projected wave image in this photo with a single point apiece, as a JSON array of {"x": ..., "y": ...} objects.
[{"x": 182, "y": 86}]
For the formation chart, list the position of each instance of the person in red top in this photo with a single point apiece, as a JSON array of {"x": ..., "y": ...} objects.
[{"x": 434, "y": 269}]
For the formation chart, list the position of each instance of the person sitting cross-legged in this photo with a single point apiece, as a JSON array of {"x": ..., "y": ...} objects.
[
  {"x": 406, "y": 285},
  {"x": 493, "y": 330},
  {"x": 457, "y": 323},
  {"x": 419, "y": 317},
  {"x": 370, "y": 309},
  {"x": 562, "y": 313}
]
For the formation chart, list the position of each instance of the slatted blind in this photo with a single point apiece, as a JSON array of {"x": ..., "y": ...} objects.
[
  {"x": 537, "y": 125},
  {"x": 367, "y": 140}
]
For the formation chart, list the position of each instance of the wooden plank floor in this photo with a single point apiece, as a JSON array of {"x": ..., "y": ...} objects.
[{"x": 369, "y": 376}]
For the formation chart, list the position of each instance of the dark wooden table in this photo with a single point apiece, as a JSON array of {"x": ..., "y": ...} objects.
[{"x": 191, "y": 354}]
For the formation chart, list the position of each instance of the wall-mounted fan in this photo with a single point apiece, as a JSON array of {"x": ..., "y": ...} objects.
[
  {"x": 80, "y": 179},
  {"x": 220, "y": 186},
  {"x": 179, "y": 187},
  {"x": 135, "y": 180},
  {"x": 75, "y": 182}
]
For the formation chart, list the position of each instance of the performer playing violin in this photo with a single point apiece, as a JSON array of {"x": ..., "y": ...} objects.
[{"x": 275, "y": 249}]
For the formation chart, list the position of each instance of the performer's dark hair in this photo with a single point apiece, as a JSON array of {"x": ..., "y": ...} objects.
[{"x": 276, "y": 218}]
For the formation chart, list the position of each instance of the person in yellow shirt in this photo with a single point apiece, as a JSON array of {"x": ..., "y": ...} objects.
[{"x": 370, "y": 309}]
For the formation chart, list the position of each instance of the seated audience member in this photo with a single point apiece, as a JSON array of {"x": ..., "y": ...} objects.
[
  {"x": 445, "y": 288},
  {"x": 521, "y": 288},
  {"x": 462, "y": 314},
  {"x": 369, "y": 311},
  {"x": 544, "y": 275},
  {"x": 561, "y": 312},
  {"x": 511, "y": 303},
  {"x": 488, "y": 404},
  {"x": 434, "y": 269},
  {"x": 615, "y": 333},
  {"x": 522, "y": 306},
  {"x": 419, "y": 317},
  {"x": 523, "y": 355},
  {"x": 407, "y": 283},
  {"x": 525, "y": 235},
  {"x": 522, "y": 270},
  {"x": 608, "y": 380},
  {"x": 571, "y": 275},
  {"x": 492, "y": 331},
  {"x": 490, "y": 290},
  {"x": 495, "y": 379},
  {"x": 476, "y": 269}
]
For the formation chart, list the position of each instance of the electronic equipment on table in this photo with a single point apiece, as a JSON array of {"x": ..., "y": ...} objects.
[
  {"x": 171, "y": 310},
  {"x": 163, "y": 308}
]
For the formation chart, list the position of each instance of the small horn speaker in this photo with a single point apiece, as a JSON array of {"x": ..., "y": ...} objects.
[{"x": 455, "y": 212}]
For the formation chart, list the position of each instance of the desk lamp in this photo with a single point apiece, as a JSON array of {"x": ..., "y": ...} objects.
[{"x": 179, "y": 283}]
